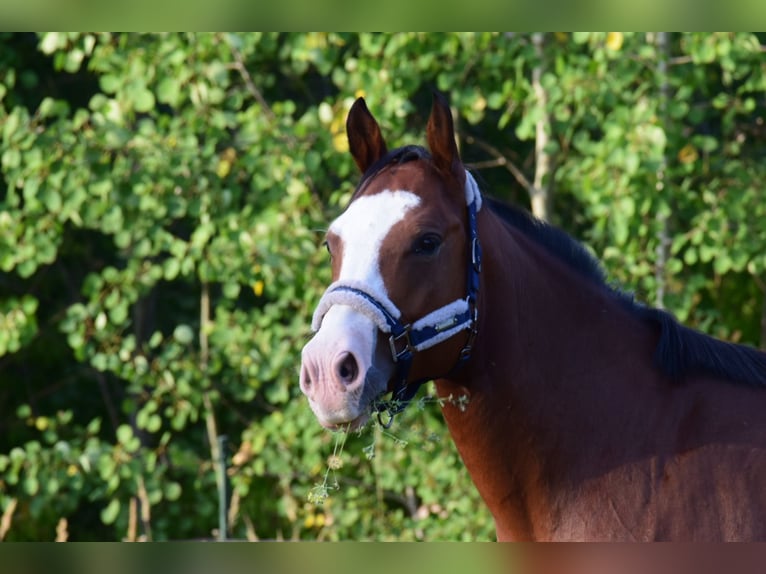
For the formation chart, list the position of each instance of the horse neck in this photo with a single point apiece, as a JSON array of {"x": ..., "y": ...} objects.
[{"x": 558, "y": 361}]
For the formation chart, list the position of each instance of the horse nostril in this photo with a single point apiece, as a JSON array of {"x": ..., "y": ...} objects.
[
  {"x": 347, "y": 368},
  {"x": 305, "y": 380}
]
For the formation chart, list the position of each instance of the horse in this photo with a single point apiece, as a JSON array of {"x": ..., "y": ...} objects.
[{"x": 582, "y": 413}]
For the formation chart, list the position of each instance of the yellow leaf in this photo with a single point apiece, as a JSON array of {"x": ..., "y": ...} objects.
[
  {"x": 479, "y": 104},
  {"x": 614, "y": 40},
  {"x": 223, "y": 168},
  {"x": 688, "y": 154},
  {"x": 226, "y": 159},
  {"x": 338, "y": 126},
  {"x": 258, "y": 288},
  {"x": 340, "y": 142}
]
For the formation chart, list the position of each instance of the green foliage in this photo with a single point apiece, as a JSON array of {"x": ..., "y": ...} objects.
[{"x": 162, "y": 204}]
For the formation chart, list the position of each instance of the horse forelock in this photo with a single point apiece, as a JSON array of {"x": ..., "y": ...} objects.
[{"x": 396, "y": 156}]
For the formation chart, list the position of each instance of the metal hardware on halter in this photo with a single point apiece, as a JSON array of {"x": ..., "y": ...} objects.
[
  {"x": 448, "y": 324},
  {"x": 394, "y": 339}
]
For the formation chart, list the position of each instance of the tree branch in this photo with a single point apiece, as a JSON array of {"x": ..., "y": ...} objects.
[
  {"x": 239, "y": 65},
  {"x": 7, "y": 519},
  {"x": 540, "y": 192},
  {"x": 663, "y": 225},
  {"x": 210, "y": 422},
  {"x": 500, "y": 160}
]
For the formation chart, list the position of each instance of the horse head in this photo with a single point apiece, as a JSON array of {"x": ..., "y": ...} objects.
[{"x": 405, "y": 259}]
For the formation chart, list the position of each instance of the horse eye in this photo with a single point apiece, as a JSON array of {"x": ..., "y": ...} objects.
[
  {"x": 427, "y": 244},
  {"x": 327, "y": 246}
]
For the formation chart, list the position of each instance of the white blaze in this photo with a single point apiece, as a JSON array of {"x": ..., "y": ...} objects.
[{"x": 362, "y": 229}]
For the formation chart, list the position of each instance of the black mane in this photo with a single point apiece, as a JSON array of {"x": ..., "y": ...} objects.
[{"x": 681, "y": 351}]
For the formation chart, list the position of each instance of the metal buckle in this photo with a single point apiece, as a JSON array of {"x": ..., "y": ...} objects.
[{"x": 394, "y": 339}]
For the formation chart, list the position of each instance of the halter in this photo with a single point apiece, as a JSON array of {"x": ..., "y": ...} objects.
[{"x": 406, "y": 339}]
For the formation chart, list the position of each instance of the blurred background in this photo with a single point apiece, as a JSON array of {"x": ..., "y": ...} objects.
[{"x": 163, "y": 199}]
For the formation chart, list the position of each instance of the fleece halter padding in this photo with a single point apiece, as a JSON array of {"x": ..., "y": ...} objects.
[{"x": 424, "y": 333}]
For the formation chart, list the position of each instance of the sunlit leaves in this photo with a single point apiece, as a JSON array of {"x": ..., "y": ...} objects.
[{"x": 18, "y": 324}]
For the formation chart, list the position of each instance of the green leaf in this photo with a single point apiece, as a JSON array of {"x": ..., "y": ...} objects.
[
  {"x": 110, "y": 512},
  {"x": 231, "y": 290},
  {"x": 11, "y": 158},
  {"x": 143, "y": 100},
  {"x": 171, "y": 268},
  {"x": 172, "y": 491},
  {"x": 124, "y": 434},
  {"x": 11, "y": 124},
  {"x": 183, "y": 334},
  {"x": 51, "y": 42},
  {"x": 722, "y": 264},
  {"x": 52, "y": 200},
  {"x": 154, "y": 423},
  {"x": 31, "y": 485},
  {"x": 168, "y": 91},
  {"x": 29, "y": 304},
  {"x": 110, "y": 83}
]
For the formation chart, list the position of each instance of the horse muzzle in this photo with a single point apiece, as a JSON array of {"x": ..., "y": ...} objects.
[{"x": 344, "y": 367}]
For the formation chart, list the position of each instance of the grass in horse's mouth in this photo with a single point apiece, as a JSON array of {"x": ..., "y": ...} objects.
[{"x": 321, "y": 491}]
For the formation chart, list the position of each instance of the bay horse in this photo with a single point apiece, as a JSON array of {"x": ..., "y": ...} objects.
[{"x": 583, "y": 414}]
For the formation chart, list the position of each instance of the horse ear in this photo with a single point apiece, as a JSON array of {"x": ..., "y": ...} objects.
[
  {"x": 364, "y": 138},
  {"x": 440, "y": 133}
]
